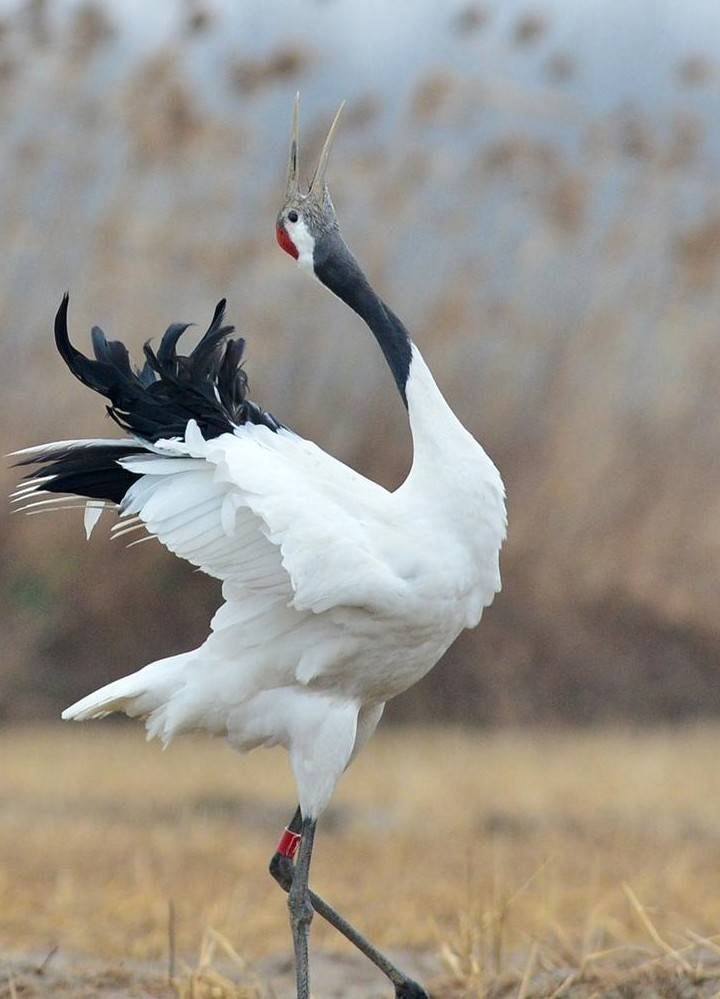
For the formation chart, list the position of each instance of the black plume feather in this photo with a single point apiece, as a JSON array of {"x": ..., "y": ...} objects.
[
  {"x": 168, "y": 344},
  {"x": 208, "y": 385}
]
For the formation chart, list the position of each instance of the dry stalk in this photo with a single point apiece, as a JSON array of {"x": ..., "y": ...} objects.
[
  {"x": 527, "y": 974},
  {"x": 704, "y": 942},
  {"x": 652, "y": 931},
  {"x": 205, "y": 982},
  {"x": 562, "y": 988},
  {"x": 172, "y": 936}
]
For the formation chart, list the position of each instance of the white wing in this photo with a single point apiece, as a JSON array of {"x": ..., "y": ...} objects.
[{"x": 269, "y": 512}]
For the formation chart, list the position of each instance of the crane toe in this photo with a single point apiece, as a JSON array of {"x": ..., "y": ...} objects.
[{"x": 410, "y": 990}]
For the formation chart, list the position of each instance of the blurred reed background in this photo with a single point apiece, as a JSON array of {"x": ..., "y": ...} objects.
[{"x": 535, "y": 188}]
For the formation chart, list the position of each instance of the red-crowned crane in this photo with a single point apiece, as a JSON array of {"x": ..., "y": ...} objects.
[{"x": 338, "y": 594}]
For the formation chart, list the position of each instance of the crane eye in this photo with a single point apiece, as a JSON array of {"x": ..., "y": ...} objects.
[{"x": 292, "y": 216}]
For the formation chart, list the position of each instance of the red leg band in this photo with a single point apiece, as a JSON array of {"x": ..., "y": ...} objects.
[{"x": 289, "y": 843}]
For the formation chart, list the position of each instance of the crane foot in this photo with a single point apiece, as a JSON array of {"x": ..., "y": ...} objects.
[
  {"x": 410, "y": 990},
  {"x": 282, "y": 869}
]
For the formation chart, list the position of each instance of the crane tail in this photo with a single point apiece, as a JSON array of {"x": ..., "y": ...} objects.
[
  {"x": 144, "y": 694},
  {"x": 113, "y": 697}
]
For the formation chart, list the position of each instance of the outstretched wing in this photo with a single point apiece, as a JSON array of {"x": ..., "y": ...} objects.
[
  {"x": 267, "y": 511},
  {"x": 181, "y": 501},
  {"x": 217, "y": 479}
]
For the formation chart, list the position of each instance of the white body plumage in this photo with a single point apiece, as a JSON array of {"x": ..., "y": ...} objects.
[{"x": 338, "y": 594}]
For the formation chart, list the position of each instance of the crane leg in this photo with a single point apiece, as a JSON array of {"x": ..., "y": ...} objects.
[
  {"x": 284, "y": 871},
  {"x": 301, "y": 909}
]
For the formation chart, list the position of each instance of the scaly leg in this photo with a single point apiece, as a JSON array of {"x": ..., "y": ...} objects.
[
  {"x": 301, "y": 910},
  {"x": 283, "y": 870}
]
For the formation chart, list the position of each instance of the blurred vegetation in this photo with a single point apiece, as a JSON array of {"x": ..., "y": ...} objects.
[{"x": 559, "y": 265}]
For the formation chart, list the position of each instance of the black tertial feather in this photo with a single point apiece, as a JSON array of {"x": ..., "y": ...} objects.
[
  {"x": 168, "y": 344},
  {"x": 154, "y": 403},
  {"x": 208, "y": 385},
  {"x": 110, "y": 352}
]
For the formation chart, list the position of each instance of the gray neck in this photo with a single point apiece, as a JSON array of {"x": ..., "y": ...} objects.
[{"x": 338, "y": 270}]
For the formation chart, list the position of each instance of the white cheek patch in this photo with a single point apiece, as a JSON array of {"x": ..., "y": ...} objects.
[{"x": 304, "y": 243}]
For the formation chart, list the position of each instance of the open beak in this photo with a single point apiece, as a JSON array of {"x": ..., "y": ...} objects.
[
  {"x": 291, "y": 188},
  {"x": 317, "y": 185}
]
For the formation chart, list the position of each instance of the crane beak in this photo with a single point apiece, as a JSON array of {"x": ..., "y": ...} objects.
[
  {"x": 317, "y": 185},
  {"x": 291, "y": 188}
]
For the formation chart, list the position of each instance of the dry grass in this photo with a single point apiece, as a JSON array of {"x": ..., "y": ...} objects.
[{"x": 512, "y": 855}]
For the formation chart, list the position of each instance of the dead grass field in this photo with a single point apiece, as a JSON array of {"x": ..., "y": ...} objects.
[{"x": 520, "y": 863}]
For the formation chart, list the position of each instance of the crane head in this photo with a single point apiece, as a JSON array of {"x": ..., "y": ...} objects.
[{"x": 306, "y": 217}]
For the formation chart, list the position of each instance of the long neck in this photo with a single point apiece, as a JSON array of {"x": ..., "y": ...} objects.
[
  {"x": 338, "y": 270},
  {"x": 436, "y": 431}
]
